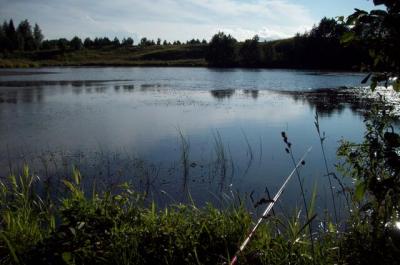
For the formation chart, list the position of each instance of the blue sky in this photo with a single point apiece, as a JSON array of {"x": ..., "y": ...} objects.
[{"x": 176, "y": 19}]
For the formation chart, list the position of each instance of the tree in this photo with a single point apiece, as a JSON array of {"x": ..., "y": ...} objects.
[
  {"x": 49, "y": 44},
  {"x": 21, "y": 38},
  {"x": 221, "y": 50},
  {"x": 3, "y": 39},
  {"x": 62, "y": 44},
  {"x": 11, "y": 35},
  {"x": 328, "y": 28},
  {"x": 379, "y": 31},
  {"x": 193, "y": 41},
  {"x": 374, "y": 164},
  {"x": 250, "y": 53},
  {"x": 37, "y": 36},
  {"x": 101, "y": 42},
  {"x": 322, "y": 48},
  {"x": 116, "y": 42},
  {"x": 105, "y": 42},
  {"x": 88, "y": 43},
  {"x": 146, "y": 42},
  {"x": 76, "y": 43},
  {"x": 158, "y": 41},
  {"x": 127, "y": 42},
  {"x": 25, "y": 36}
]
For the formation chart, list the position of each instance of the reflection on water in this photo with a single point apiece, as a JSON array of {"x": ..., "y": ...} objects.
[
  {"x": 123, "y": 124},
  {"x": 128, "y": 87},
  {"x": 36, "y": 83},
  {"x": 251, "y": 92},
  {"x": 221, "y": 94},
  {"x": 24, "y": 95},
  {"x": 329, "y": 101}
]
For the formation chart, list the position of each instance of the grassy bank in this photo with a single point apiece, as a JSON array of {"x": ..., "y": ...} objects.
[
  {"x": 180, "y": 55},
  {"x": 120, "y": 227}
]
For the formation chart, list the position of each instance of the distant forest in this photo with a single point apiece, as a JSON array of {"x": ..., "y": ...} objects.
[
  {"x": 320, "y": 48},
  {"x": 23, "y": 38}
]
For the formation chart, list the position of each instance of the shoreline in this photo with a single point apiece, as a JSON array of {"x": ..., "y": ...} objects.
[{"x": 166, "y": 64}]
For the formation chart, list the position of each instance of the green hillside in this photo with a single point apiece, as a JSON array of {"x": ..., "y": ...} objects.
[{"x": 171, "y": 55}]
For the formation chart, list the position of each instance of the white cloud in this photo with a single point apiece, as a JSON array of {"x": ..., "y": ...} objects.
[{"x": 168, "y": 19}]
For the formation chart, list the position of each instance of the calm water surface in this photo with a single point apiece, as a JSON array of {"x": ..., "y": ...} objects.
[{"x": 118, "y": 124}]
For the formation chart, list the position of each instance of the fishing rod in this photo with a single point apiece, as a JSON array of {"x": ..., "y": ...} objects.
[{"x": 269, "y": 208}]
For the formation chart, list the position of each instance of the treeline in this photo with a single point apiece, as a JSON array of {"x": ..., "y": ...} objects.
[
  {"x": 159, "y": 42},
  {"x": 21, "y": 38},
  {"x": 321, "y": 48},
  {"x": 76, "y": 43}
]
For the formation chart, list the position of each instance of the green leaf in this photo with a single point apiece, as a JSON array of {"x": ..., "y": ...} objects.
[
  {"x": 67, "y": 257},
  {"x": 73, "y": 231},
  {"x": 377, "y": 60},
  {"x": 118, "y": 198},
  {"x": 331, "y": 227},
  {"x": 76, "y": 175},
  {"x": 81, "y": 225},
  {"x": 396, "y": 85},
  {"x": 351, "y": 20},
  {"x": 78, "y": 194},
  {"x": 360, "y": 190},
  {"x": 10, "y": 248},
  {"x": 379, "y": 13},
  {"x": 26, "y": 171},
  {"x": 379, "y": 2},
  {"x": 311, "y": 207},
  {"x": 374, "y": 84},
  {"x": 340, "y": 19},
  {"x": 348, "y": 37}
]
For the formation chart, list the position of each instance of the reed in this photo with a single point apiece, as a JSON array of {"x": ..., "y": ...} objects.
[
  {"x": 184, "y": 147},
  {"x": 221, "y": 162},
  {"x": 289, "y": 150},
  {"x": 329, "y": 174}
]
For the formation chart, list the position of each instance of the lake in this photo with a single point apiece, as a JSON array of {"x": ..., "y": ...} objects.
[{"x": 172, "y": 132}]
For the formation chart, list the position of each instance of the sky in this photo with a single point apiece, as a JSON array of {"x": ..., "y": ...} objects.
[{"x": 176, "y": 19}]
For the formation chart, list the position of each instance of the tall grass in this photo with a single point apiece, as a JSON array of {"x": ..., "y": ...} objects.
[
  {"x": 329, "y": 174},
  {"x": 26, "y": 218},
  {"x": 221, "y": 157},
  {"x": 185, "y": 147},
  {"x": 116, "y": 226},
  {"x": 289, "y": 150},
  {"x": 249, "y": 153}
]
